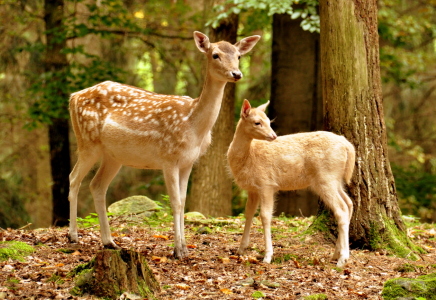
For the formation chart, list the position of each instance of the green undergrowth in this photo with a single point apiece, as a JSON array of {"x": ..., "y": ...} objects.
[
  {"x": 423, "y": 287},
  {"x": 15, "y": 250}
]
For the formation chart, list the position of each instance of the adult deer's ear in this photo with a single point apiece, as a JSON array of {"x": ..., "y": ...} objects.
[
  {"x": 246, "y": 44},
  {"x": 201, "y": 41},
  {"x": 263, "y": 106},
  {"x": 245, "y": 109}
]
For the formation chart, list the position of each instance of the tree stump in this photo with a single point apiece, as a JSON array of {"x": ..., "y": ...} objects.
[{"x": 114, "y": 272}]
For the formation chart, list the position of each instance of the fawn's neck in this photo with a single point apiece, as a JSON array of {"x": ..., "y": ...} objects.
[{"x": 241, "y": 144}]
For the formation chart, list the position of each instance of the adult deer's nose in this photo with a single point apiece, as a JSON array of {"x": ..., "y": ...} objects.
[{"x": 237, "y": 75}]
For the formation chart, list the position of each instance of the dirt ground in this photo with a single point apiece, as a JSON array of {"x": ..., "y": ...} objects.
[{"x": 301, "y": 264}]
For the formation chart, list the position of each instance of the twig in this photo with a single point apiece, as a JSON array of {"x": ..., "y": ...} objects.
[{"x": 28, "y": 224}]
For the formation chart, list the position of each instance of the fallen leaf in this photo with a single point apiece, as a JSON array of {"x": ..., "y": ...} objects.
[
  {"x": 60, "y": 265},
  {"x": 76, "y": 253},
  {"x": 191, "y": 246},
  {"x": 158, "y": 236},
  {"x": 226, "y": 291},
  {"x": 225, "y": 260},
  {"x": 182, "y": 286},
  {"x": 159, "y": 259}
]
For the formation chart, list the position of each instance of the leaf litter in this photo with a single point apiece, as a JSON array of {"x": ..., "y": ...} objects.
[{"x": 301, "y": 266}]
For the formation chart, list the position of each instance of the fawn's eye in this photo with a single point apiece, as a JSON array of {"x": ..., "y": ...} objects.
[
  {"x": 215, "y": 56},
  {"x": 239, "y": 57},
  {"x": 257, "y": 123}
]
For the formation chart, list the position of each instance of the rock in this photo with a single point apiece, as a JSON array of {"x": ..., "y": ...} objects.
[
  {"x": 134, "y": 205},
  {"x": 194, "y": 215},
  {"x": 405, "y": 288}
]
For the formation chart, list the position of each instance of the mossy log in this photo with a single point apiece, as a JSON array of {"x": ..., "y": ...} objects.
[
  {"x": 114, "y": 272},
  {"x": 408, "y": 288}
]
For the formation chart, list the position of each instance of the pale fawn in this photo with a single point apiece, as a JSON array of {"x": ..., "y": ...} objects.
[{"x": 263, "y": 164}]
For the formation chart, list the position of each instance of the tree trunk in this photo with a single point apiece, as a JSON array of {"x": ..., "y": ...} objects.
[
  {"x": 55, "y": 61},
  {"x": 296, "y": 103},
  {"x": 113, "y": 272},
  {"x": 353, "y": 107},
  {"x": 211, "y": 191}
]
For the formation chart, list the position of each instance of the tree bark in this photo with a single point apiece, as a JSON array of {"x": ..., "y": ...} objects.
[
  {"x": 296, "y": 97},
  {"x": 353, "y": 107},
  {"x": 113, "y": 272},
  {"x": 211, "y": 191},
  {"x": 55, "y": 61}
]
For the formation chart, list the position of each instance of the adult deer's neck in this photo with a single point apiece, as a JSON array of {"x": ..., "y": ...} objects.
[{"x": 208, "y": 105}]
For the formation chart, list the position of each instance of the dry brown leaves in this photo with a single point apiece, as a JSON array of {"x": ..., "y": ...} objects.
[{"x": 212, "y": 270}]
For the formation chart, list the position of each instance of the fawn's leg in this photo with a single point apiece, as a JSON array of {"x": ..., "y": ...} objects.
[
  {"x": 331, "y": 196},
  {"x": 250, "y": 210},
  {"x": 266, "y": 211},
  {"x": 99, "y": 185}
]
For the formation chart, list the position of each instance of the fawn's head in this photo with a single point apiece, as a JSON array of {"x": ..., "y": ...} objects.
[
  {"x": 223, "y": 57},
  {"x": 255, "y": 122}
]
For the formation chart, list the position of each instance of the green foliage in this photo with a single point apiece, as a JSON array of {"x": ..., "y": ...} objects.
[
  {"x": 316, "y": 297},
  {"x": 407, "y": 32},
  {"x": 14, "y": 250},
  {"x": 417, "y": 191},
  {"x": 90, "y": 220},
  {"x": 257, "y": 295},
  {"x": 261, "y": 9},
  {"x": 12, "y": 213}
]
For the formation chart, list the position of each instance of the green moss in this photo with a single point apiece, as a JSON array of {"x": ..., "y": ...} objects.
[
  {"x": 316, "y": 297},
  {"x": 394, "y": 240},
  {"x": 423, "y": 286},
  {"x": 15, "y": 250}
]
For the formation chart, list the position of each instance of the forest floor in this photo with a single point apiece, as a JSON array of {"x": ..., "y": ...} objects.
[{"x": 301, "y": 264}]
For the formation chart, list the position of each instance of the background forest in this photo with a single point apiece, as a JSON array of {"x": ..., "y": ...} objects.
[{"x": 149, "y": 44}]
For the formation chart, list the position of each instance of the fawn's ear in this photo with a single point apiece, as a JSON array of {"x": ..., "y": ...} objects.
[
  {"x": 245, "y": 109},
  {"x": 201, "y": 41},
  {"x": 263, "y": 106},
  {"x": 246, "y": 44}
]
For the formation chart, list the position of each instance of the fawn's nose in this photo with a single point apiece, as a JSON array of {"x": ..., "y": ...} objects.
[{"x": 237, "y": 75}]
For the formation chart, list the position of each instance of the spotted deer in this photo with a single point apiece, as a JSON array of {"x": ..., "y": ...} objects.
[
  {"x": 263, "y": 164},
  {"x": 126, "y": 125}
]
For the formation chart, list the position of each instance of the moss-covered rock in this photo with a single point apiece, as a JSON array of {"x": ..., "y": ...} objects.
[
  {"x": 408, "y": 288},
  {"x": 134, "y": 205},
  {"x": 15, "y": 250}
]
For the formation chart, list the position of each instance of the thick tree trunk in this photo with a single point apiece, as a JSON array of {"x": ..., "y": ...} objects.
[
  {"x": 296, "y": 103},
  {"x": 54, "y": 62},
  {"x": 353, "y": 107},
  {"x": 211, "y": 192},
  {"x": 113, "y": 272}
]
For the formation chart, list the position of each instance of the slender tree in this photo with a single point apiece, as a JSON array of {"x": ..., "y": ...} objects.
[
  {"x": 296, "y": 103},
  {"x": 55, "y": 63},
  {"x": 353, "y": 107}
]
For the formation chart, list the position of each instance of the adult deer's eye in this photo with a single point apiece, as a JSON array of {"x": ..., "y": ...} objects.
[
  {"x": 215, "y": 56},
  {"x": 257, "y": 123},
  {"x": 239, "y": 57}
]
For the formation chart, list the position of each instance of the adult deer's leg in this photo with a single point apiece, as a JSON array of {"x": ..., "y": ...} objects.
[
  {"x": 266, "y": 211},
  {"x": 183, "y": 185},
  {"x": 171, "y": 175},
  {"x": 99, "y": 185},
  {"x": 84, "y": 163},
  {"x": 250, "y": 209}
]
